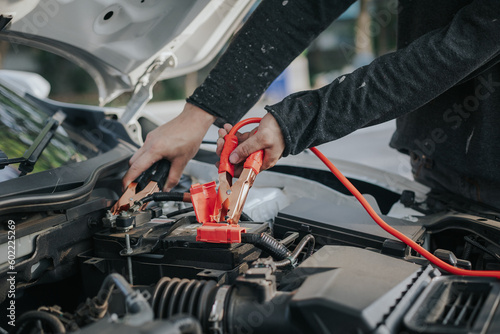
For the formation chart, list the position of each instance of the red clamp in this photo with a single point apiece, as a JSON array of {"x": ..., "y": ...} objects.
[
  {"x": 221, "y": 226},
  {"x": 220, "y": 233},
  {"x": 203, "y": 197}
]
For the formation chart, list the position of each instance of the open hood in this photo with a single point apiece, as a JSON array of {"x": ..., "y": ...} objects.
[{"x": 122, "y": 43}]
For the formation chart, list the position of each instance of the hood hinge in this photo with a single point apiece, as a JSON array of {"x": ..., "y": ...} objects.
[{"x": 143, "y": 91}]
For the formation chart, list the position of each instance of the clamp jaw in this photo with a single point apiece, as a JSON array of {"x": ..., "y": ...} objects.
[
  {"x": 220, "y": 212},
  {"x": 231, "y": 198},
  {"x": 149, "y": 182}
]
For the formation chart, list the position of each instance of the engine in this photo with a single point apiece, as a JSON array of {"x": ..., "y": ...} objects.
[{"x": 314, "y": 264}]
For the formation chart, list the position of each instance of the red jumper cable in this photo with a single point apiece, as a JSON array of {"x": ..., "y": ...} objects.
[
  {"x": 226, "y": 205},
  {"x": 419, "y": 249}
]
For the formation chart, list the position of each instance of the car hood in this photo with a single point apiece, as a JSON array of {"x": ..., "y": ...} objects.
[{"x": 121, "y": 43}]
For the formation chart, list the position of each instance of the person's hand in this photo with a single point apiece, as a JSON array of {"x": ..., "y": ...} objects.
[
  {"x": 177, "y": 141},
  {"x": 267, "y": 136}
]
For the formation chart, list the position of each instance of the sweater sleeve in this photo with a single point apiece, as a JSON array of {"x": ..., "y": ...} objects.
[
  {"x": 274, "y": 35},
  {"x": 393, "y": 84}
]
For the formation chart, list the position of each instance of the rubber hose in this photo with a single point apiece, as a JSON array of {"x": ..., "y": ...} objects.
[
  {"x": 467, "y": 251},
  {"x": 108, "y": 285},
  {"x": 308, "y": 239},
  {"x": 481, "y": 247},
  {"x": 245, "y": 218},
  {"x": 179, "y": 212},
  {"x": 56, "y": 326},
  {"x": 172, "y": 228},
  {"x": 165, "y": 197},
  {"x": 267, "y": 243}
]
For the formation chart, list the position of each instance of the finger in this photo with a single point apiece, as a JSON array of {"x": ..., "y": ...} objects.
[
  {"x": 135, "y": 170},
  {"x": 222, "y": 133},
  {"x": 242, "y": 136},
  {"x": 220, "y": 141},
  {"x": 220, "y": 146},
  {"x": 228, "y": 127},
  {"x": 136, "y": 156},
  {"x": 174, "y": 175},
  {"x": 271, "y": 157},
  {"x": 246, "y": 148}
]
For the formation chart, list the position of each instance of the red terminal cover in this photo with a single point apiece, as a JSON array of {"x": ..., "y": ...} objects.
[
  {"x": 220, "y": 233},
  {"x": 203, "y": 197}
]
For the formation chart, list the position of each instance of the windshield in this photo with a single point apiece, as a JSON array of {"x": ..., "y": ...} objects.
[{"x": 20, "y": 123}]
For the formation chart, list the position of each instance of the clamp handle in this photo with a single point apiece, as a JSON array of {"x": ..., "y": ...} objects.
[
  {"x": 254, "y": 161},
  {"x": 143, "y": 179},
  {"x": 161, "y": 173},
  {"x": 158, "y": 173},
  {"x": 231, "y": 142}
]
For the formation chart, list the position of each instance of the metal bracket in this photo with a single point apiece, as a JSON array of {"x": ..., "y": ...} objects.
[
  {"x": 217, "y": 313},
  {"x": 143, "y": 91}
]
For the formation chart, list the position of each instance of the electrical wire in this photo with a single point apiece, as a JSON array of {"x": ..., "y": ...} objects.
[
  {"x": 268, "y": 244},
  {"x": 481, "y": 247},
  {"x": 419, "y": 249},
  {"x": 242, "y": 123},
  {"x": 292, "y": 259},
  {"x": 53, "y": 323},
  {"x": 166, "y": 197},
  {"x": 179, "y": 212},
  {"x": 409, "y": 242}
]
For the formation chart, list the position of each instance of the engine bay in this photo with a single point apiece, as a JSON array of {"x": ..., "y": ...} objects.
[
  {"x": 310, "y": 260},
  {"x": 79, "y": 254}
]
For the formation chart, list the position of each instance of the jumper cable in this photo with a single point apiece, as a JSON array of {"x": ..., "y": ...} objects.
[{"x": 355, "y": 192}]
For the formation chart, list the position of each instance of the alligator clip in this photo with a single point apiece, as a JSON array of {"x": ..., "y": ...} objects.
[
  {"x": 231, "y": 198},
  {"x": 149, "y": 182},
  {"x": 222, "y": 226}
]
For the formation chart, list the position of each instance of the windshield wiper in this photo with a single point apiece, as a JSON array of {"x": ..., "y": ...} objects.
[{"x": 30, "y": 157}]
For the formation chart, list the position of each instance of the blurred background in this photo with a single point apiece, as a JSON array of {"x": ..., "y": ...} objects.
[{"x": 365, "y": 31}]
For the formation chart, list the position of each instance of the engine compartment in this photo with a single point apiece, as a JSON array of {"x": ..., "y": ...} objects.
[{"x": 311, "y": 261}]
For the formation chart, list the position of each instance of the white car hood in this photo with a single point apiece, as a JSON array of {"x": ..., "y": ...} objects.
[{"x": 121, "y": 43}]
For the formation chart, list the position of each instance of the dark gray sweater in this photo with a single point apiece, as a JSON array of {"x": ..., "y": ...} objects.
[{"x": 442, "y": 85}]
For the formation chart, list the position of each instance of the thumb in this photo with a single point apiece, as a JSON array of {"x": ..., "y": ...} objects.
[{"x": 246, "y": 148}]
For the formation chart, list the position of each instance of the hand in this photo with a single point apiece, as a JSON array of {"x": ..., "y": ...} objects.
[
  {"x": 267, "y": 136},
  {"x": 177, "y": 141}
]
